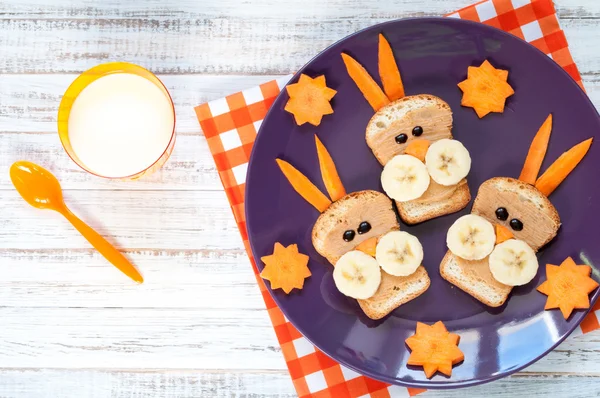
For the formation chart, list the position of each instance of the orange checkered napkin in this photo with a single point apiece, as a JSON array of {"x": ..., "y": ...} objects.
[{"x": 230, "y": 125}]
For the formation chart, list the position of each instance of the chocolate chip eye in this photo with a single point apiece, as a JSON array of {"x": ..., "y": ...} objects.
[
  {"x": 349, "y": 235},
  {"x": 501, "y": 213},
  {"x": 417, "y": 131},
  {"x": 401, "y": 138},
  {"x": 363, "y": 228},
  {"x": 515, "y": 224}
]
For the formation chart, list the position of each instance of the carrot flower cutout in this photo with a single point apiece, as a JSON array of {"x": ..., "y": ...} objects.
[
  {"x": 286, "y": 268},
  {"x": 568, "y": 286},
  {"x": 309, "y": 100},
  {"x": 486, "y": 89},
  {"x": 434, "y": 348}
]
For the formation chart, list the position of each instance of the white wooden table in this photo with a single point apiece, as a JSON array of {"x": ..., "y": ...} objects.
[{"x": 70, "y": 324}]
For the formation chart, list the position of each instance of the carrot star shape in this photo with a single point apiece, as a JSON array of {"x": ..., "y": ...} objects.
[
  {"x": 568, "y": 286},
  {"x": 286, "y": 268},
  {"x": 434, "y": 348},
  {"x": 486, "y": 89},
  {"x": 309, "y": 100}
]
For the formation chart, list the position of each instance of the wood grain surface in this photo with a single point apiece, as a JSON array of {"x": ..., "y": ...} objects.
[{"x": 71, "y": 325}]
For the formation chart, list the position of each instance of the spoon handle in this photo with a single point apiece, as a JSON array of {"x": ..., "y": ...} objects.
[{"x": 104, "y": 247}]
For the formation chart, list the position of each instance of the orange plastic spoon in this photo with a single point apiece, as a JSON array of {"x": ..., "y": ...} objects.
[{"x": 41, "y": 189}]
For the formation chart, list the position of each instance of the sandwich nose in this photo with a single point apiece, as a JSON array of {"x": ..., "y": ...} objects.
[
  {"x": 418, "y": 148},
  {"x": 502, "y": 234},
  {"x": 368, "y": 246}
]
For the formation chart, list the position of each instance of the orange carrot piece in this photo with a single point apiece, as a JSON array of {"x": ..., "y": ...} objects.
[
  {"x": 501, "y": 73},
  {"x": 331, "y": 178},
  {"x": 434, "y": 348},
  {"x": 368, "y": 246},
  {"x": 502, "y": 234},
  {"x": 286, "y": 268},
  {"x": 389, "y": 72},
  {"x": 567, "y": 286},
  {"x": 536, "y": 153},
  {"x": 365, "y": 83},
  {"x": 418, "y": 148},
  {"x": 309, "y": 100},
  {"x": 303, "y": 186},
  {"x": 485, "y": 90},
  {"x": 562, "y": 167}
]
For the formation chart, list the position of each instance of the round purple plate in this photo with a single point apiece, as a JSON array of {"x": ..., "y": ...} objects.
[{"x": 433, "y": 55}]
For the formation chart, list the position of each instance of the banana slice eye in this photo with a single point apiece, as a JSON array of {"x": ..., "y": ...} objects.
[
  {"x": 471, "y": 237},
  {"x": 405, "y": 178},
  {"x": 399, "y": 253},
  {"x": 448, "y": 161},
  {"x": 513, "y": 262}
]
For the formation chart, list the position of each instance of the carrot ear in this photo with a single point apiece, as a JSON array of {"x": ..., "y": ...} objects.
[
  {"x": 562, "y": 167},
  {"x": 303, "y": 186},
  {"x": 536, "y": 153},
  {"x": 331, "y": 179}
]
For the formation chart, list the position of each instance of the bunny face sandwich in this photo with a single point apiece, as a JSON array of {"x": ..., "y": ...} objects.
[
  {"x": 494, "y": 248},
  {"x": 424, "y": 168},
  {"x": 358, "y": 233}
]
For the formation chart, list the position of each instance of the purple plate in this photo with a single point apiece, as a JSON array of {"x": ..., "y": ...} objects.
[{"x": 433, "y": 55}]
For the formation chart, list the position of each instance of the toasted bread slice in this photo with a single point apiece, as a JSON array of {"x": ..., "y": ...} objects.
[
  {"x": 400, "y": 117},
  {"x": 523, "y": 202},
  {"x": 346, "y": 214},
  {"x": 475, "y": 278},
  {"x": 437, "y": 201},
  {"x": 395, "y": 291}
]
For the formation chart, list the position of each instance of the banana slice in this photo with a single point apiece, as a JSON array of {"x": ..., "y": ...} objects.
[
  {"x": 399, "y": 253},
  {"x": 513, "y": 262},
  {"x": 357, "y": 275},
  {"x": 471, "y": 237},
  {"x": 448, "y": 161},
  {"x": 405, "y": 178}
]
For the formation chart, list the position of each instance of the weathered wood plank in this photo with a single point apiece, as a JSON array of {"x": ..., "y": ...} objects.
[
  {"x": 528, "y": 386},
  {"x": 130, "y": 219},
  {"x": 270, "y": 37},
  {"x": 26, "y": 9},
  {"x": 138, "y": 338},
  {"x": 28, "y": 103},
  {"x": 173, "y": 279},
  {"x": 191, "y": 166},
  {"x": 56, "y": 383},
  {"x": 92, "y": 383}
]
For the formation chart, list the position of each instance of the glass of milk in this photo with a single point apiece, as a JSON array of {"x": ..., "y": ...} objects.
[{"x": 117, "y": 120}]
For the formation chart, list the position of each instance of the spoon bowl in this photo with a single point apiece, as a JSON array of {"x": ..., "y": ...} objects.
[{"x": 37, "y": 185}]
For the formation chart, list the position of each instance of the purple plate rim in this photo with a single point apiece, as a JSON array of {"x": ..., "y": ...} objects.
[{"x": 431, "y": 385}]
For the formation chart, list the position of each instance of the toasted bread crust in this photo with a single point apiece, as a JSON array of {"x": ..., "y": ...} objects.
[
  {"x": 395, "y": 291},
  {"x": 413, "y": 212},
  {"x": 456, "y": 272}
]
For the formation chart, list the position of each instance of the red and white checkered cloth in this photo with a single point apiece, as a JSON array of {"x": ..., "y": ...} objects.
[{"x": 230, "y": 125}]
